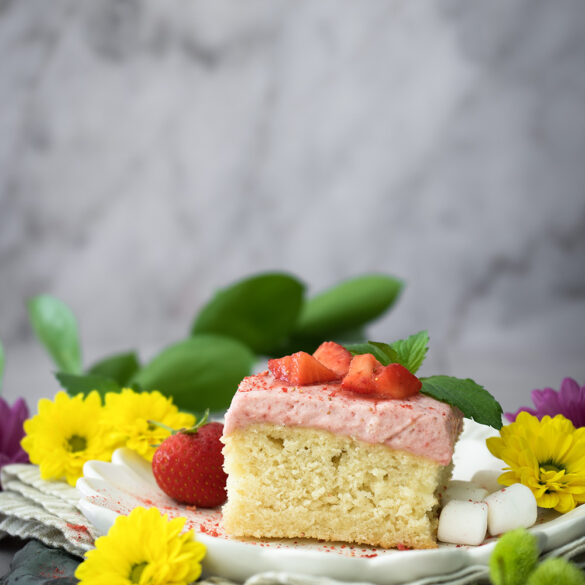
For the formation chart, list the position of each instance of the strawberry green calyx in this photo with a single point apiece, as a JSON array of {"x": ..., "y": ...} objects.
[
  {"x": 188, "y": 431},
  {"x": 193, "y": 430}
]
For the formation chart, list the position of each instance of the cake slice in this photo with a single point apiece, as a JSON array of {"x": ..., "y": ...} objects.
[{"x": 319, "y": 460}]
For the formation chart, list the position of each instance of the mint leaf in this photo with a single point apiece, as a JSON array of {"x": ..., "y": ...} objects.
[
  {"x": 347, "y": 306},
  {"x": 119, "y": 367},
  {"x": 200, "y": 372},
  {"x": 56, "y": 327},
  {"x": 84, "y": 384},
  {"x": 469, "y": 397},
  {"x": 409, "y": 352},
  {"x": 260, "y": 311},
  {"x": 381, "y": 351}
]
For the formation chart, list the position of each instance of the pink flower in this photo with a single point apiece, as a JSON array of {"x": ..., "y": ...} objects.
[
  {"x": 11, "y": 432},
  {"x": 568, "y": 401}
]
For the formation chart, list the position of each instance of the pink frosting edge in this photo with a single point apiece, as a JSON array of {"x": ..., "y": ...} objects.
[{"x": 419, "y": 425}]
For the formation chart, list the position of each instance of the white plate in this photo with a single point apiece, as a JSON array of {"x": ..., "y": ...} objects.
[{"x": 110, "y": 489}]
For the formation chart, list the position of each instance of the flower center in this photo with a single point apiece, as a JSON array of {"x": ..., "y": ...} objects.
[
  {"x": 77, "y": 443},
  {"x": 551, "y": 466},
  {"x": 136, "y": 571}
]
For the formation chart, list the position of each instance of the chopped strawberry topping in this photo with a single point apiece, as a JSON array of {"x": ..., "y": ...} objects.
[
  {"x": 362, "y": 373},
  {"x": 367, "y": 375},
  {"x": 301, "y": 368},
  {"x": 395, "y": 381},
  {"x": 360, "y": 377},
  {"x": 334, "y": 356}
]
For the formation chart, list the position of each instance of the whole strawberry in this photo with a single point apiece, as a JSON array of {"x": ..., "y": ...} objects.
[{"x": 188, "y": 465}]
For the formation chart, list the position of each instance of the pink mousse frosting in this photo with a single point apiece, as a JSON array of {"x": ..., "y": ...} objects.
[{"x": 420, "y": 425}]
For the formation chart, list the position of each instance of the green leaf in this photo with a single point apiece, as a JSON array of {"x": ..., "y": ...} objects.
[
  {"x": 259, "y": 311},
  {"x": 347, "y": 306},
  {"x": 408, "y": 352},
  {"x": 1, "y": 364},
  {"x": 472, "y": 399},
  {"x": 56, "y": 327},
  {"x": 120, "y": 367},
  {"x": 84, "y": 384},
  {"x": 37, "y": 564},
  {"x": 412, "y": 351},
  {"x": 514, "y": 558},
  {"x": 198, "y": 373},
  {"x": 381, "y": 351}
]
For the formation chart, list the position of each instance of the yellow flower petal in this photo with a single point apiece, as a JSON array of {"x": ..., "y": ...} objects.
[
  {"x": 146, "y": 548},
  {"x": 547, "y": 455},
  {"x": 128, "y": 414},
  {"x": 66, "y": 433}
]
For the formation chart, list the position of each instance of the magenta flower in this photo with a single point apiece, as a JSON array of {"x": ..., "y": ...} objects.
[
  {"x": 568, "y": 401},
  {"x": 11, "y": 432}
]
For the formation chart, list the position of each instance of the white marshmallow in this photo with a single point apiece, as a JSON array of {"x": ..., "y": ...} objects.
[
  {"x": 458, "y": 489},
  {"x": 488, "y": 479},
  {"x": 511, "y": 507},
  {"x": 463, "y": 522}
]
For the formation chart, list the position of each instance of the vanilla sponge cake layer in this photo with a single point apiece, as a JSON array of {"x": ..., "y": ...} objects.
[{"x": 296, "y": 482}]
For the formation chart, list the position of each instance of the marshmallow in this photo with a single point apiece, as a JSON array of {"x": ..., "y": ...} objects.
[
  {"x": 488, "y": 479},
  {"x": 458, "y": 489},
  {"x": 511, "y": 507},
  {"x": 463, "y": 522}
]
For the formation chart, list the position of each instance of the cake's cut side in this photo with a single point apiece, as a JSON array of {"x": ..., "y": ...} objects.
[{"x": 295, "y": 482}]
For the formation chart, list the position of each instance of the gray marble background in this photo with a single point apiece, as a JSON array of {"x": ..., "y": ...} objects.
[{"x": 152, "y": 152}]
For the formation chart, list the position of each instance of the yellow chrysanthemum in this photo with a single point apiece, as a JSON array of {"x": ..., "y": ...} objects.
[
  {"x": 128, "y": 414},
  {"x": 64, "y": 434},
  {"x": 547, "y": 455},
  {"x": 145, "y": 548}
]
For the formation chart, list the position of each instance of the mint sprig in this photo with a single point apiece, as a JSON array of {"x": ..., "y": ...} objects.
[
  {"x": 473, "y": 400},
  {"x": 409, "y": 352}
]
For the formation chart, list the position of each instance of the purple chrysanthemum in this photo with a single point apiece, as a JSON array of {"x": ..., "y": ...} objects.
[
  {"x": 568, "y": 401},
  {"x": 11, "y": 432}
]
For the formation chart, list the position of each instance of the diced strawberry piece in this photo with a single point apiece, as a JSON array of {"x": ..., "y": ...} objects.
[
  {"x": 360, "y": 377},
  {"x": 395, "y": 381},
  {"x": 301, "y": 368},
  {"x": 334, "y": 356}
]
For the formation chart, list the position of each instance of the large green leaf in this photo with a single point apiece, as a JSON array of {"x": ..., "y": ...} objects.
[
  {"x": 198, "y": 373},
  {"x": 347, "y": 306},
  {"x": 56, "y": 327},
  {"x": 37, "y": 564},
  {"x": 119, "y": 367},
  {"x": 260, "y": 311},
  {"x": 84, "y": 384}
]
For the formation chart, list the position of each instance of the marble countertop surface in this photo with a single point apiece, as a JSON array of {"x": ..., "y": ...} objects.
[{"x": 155, "y": 152}]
